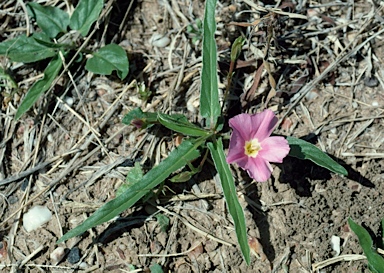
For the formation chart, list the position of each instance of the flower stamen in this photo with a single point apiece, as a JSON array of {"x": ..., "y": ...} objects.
[{"x": 252, "y": 147}]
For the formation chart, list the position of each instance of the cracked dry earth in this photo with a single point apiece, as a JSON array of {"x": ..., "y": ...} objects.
[{"x": 327, "y": 60}]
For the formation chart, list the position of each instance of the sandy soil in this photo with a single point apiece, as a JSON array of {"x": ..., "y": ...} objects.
[{"x": 328, "y": 67}]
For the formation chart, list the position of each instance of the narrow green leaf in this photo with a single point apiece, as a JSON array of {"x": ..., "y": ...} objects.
[
  {"x": 304, "y": 150},
  {"x": 177, "y": 159},
  {"x": 85, "y": 14},
  {"x": 180, "y": 124},
  {"x": 27, "y": 49},
  {"x": 39, "y": 87},
  {"x": 236, "y": 48},
  {"x": 375, "y": 261},
  {"x": 209, "y": 94},
  {"x": 108, "y": 58},
  {"x": 51, "y": 20},
  {"x": 229, "y": 189},
  {"x": 49, "y": 43}
]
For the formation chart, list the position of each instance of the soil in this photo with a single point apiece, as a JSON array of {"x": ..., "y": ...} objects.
[{"x": 83, "y": 153}]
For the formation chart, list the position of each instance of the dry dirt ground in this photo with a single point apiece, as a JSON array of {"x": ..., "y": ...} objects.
[{"x": 327, "y": 60}]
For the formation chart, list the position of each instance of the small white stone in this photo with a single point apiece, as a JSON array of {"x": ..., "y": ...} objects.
[
  {"x": 375, "y": 104},
  {"x": 335, "y": 244},
  {"x": 50, "y": 138},
  {"x": 36, "y": 217},
  {"x": 311, "y": 95},
  {"x": 83, "y": 265},
  {"x": 68, "y": 100},
  {"x": 58, "y": 254},
  {"x": 159, "y": 40}
]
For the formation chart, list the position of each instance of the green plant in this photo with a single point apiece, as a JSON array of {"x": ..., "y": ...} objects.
[
  {"x": 197, "y": 140},
  {"x": 49, "y": 44},
  {"x": 195, "y": 31},
  {"x": 375, "y": 261}
]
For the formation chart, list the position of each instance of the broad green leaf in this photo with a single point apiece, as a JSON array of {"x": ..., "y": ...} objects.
[
  {"x": 51, "y": 20},
  {"x": 140, "y": 119},
  {"x": 134, "y": 176},
  {"x": 108, "y": 58},
  {"x": 209, "y": 93},
  {"x": 27, "y": 49},
  {"x": 85, "y": 14},
  {"x": 304, "y": 150},
  {"x": 163, "y": 221},
  {"x": 39, "y": 87},
  {"x": 375, "y": 261},
  {"x": 180, "y": 124},
  {"x": 156, "y": 268},
  {"x": 177, "y": 159},
  {"x": 229, "y": 189},
  {"x": 8, "y": 80}
]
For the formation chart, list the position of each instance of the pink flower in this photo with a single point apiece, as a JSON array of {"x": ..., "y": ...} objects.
[{"x": 252, "y": 147}]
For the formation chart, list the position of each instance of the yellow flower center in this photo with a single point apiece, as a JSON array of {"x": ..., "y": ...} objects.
[{"x": 252, "y": 147}]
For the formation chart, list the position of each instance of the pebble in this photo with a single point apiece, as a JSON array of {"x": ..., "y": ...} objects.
[
  {"x": 159, "y": 40},
  {"x": 371, "y": 81},
  {"x": 58, "y": 254},
  {"x": 83, "y": 265},
  {"x": 69, "y": 100},
  {"x": 24, "y": 185},
  {"x": 74, "y": 255},
  {"x": 335, "y": 244},
  {"x": 36, "y": 217},
  {"x": 3, "y": 250},
  {"x": 13, "y": 199}
]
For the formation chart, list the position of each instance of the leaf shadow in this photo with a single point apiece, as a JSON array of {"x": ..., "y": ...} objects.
[
  {"x": 119, "y": 227},
  {"x": 298, "y": 173}
]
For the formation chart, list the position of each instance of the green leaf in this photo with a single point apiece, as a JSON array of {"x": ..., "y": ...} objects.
[
  {"x": 209, "y": 94},
  {"x": 182, "y": 177},
  {"x": 8, "y": 80},
  {"x": 134, "y": 176},
  {"x": 108, "y": 58},
  {"x": 156, "y": 268},
  {"x": 39, "y": 87},
  {"x": 177, "y": 159},
  {"x": 50, "y": 19},
  {"x": 304, "y": 150},
  {"x": 27, "y": 49},
  {"x": 163, "y": 221},
  {"x": 236, "y": 48},
  {"x": 187, "y": 175},
  {"x": 140, "y": 119},
  {"x": 229, "y": 189},
  {"x": 85, "y": 14},
  {"x": 180, "y": 124},
  {"x": 375, "y": 261}
]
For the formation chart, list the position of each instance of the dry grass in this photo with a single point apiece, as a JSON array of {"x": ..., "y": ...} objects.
[{"x": 324, "y": 62}]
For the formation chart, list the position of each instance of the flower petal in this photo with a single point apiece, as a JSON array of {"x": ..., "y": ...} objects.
[
  {"x": 263, "y": 124},
  {"x": 242, "y": 123},
  {"x": 236, "y": 147},
  {"x": 274, "y": 149},
  {"x": 259, "y": 169}
]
